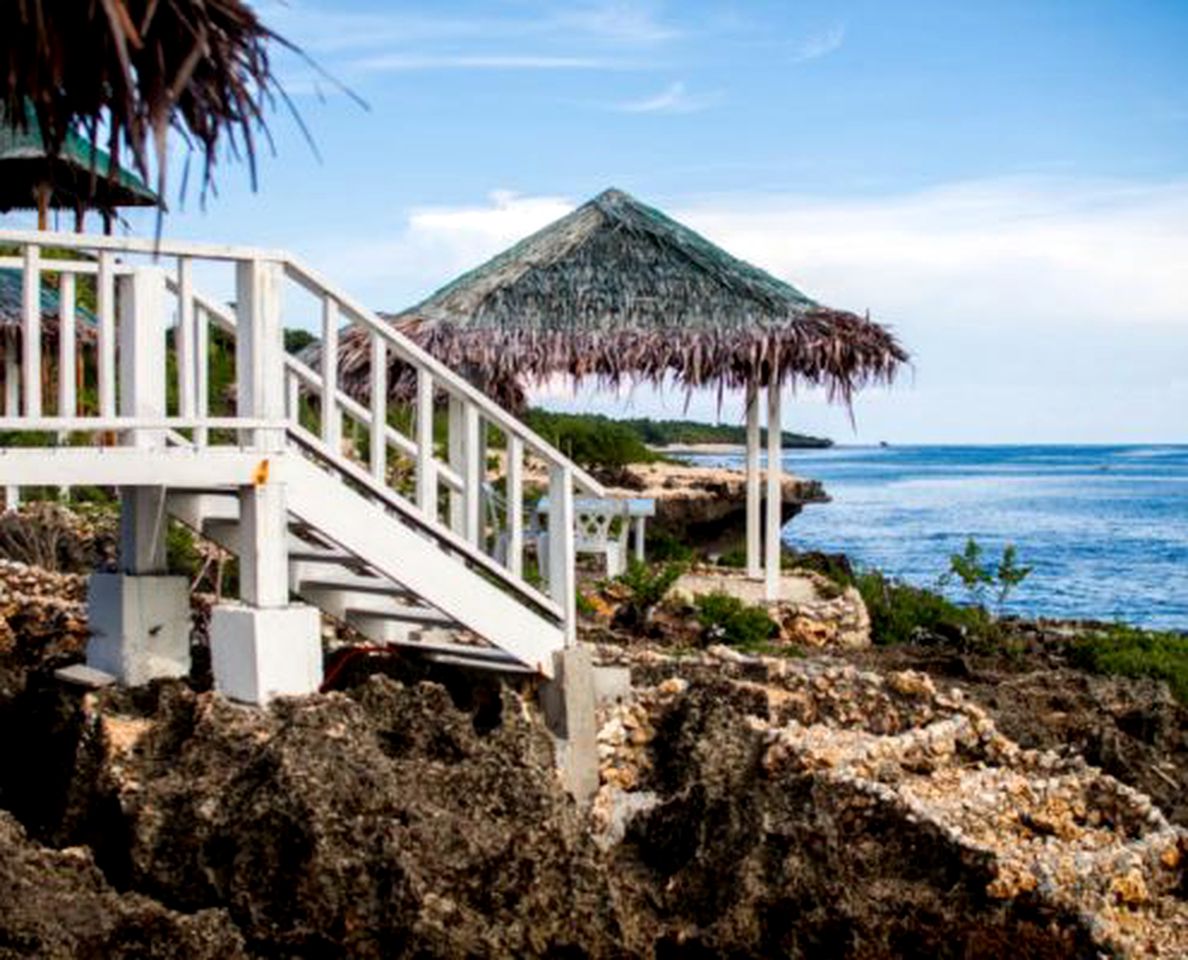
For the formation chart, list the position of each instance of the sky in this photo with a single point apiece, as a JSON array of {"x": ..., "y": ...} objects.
[{"x": 1005, "y": 183}]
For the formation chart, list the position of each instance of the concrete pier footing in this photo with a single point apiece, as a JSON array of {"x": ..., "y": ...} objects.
[
  {"x": 568, "y": 704},
  {"x": 258, "y": 654},
  {"x": 140, "y": 626}
]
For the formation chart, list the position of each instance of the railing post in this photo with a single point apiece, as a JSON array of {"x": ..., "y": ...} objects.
[
  {"x": 379, "y": 408},
  {"x": 67, "y": 348},
  {"x": 201, "y": 372},
  {"x": 187, "y": 357},
  {"x": 515, "y": 505},
  {"x": 562, "y": 585},
  {"x": 12, "y": 402},
  {"x": 472, "y": 475},
  {"x": 31, "y": 330},
  {"x": 259, "y": 350},
  {"x": 331, "y": 417},
  {"x": 105, "y": 344},
  {"x": 456, "y": 444},
  {"x": 426, "y": 462},
  {"x": 142, "y": 394}
]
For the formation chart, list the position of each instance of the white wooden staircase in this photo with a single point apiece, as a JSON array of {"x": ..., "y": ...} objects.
[{"x": 402, "y": 543}]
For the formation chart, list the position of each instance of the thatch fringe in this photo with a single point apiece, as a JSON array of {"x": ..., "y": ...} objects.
[{"x": 616, "y": 291}]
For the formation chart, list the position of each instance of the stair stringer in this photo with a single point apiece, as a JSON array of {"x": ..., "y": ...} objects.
[{"x": 443, "y": 580}]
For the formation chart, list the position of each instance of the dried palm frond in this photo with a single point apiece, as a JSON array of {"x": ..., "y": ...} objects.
[
  {"x": 617, "y": 291},
  {"x": 136, "y": 69}
]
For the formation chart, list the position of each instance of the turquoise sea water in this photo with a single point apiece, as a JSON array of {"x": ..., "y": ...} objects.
[{"x": 1106, "y": 528}]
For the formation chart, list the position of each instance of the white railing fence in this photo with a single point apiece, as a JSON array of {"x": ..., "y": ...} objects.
[{"x": 145, "y": 347}]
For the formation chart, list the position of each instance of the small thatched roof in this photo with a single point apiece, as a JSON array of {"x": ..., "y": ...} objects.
[
  {"x": 618, "y": 291},
  {"x": 11, "y": 285},
  {"x": 79, "y": 174}
]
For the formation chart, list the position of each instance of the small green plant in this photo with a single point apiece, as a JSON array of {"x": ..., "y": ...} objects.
[
  {"x": 726, "y": 619},
  {"x": 645, "y": 587},
  {"x": 665, "y": 548},
  {"x": 977, "y": 576},
  {"x": 901, "y": 613}
]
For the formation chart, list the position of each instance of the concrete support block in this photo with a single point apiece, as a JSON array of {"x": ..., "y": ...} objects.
[
  {"x": 611, "y": 684},
  {"x": 140, "y": 626},
  {"x": 568, "y": 704},
  {"x": 258, "y": 654}
]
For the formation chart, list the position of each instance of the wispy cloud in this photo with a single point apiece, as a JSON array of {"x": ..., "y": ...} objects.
[
  {"x": 402, "y": 62},
  {"x": 630, "y": 23},
  {"x": 674, "y": 98},
  {"x": 821, "y": 44}
]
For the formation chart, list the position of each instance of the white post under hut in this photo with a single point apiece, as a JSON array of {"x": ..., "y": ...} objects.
[{"x": 763, "y": 527}]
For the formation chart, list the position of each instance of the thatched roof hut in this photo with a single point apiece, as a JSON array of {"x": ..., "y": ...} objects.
[
  {"x": 618, "y": 291},
  {"x": 11, "y": 284},
  {"x": 78, "y": 177}
]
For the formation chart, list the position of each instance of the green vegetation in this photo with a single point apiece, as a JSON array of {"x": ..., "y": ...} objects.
[
  {"x": 592, "y": 441},
  {"x": 900, "y": 613},
  {"x": 726, "y": 619},
  {"x": 1129, "y": 652},
  {"x": 665, "y": 432},
  {"x": 644, "y": 587},
  {"x": 977, "y": 576}
]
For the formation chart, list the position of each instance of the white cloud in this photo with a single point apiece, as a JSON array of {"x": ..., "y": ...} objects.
[
  {"x": 630, "y": 23},
  {"x": 821, "y": 44},
  {"x": 1036, "y": 309},
  {"x": 674, "y": 98}
]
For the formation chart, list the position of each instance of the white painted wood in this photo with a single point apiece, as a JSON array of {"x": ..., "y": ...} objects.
[
  {"x": 331, "y": 415},
  {"x": 388, "y": 544},
  {"x": 67, "y": 348},
  {"x": 472, "y": 474},
  {"x": 161, "y": 247},
  {"x": 456, "y": 450},
  {"x": 128, "y": 466},
  {"x": 201, "y": 371},
  {"x": 185, "y": 337},
  {"x": 515, "y": 506},
  {"x": 263, "y": 557},
  {"x": 774, "y": 495},
  {"x": 292, "y": 397},
  {"x": 105, "y": 312},
  {"x": 142, "y": 530},
  {"x": 259, "y": 349},
  {"x": 12, "y": 375},
  {"x": 379, "y": 408},
  {"x": 562, "y": 553},
  {"x": 142, "y": 350},
  {"x": 426, "y": 462},
  {"x": 31, "y": 330},
  {"x": 754, "y": 492},
  {"x": 640, "y": 537}
]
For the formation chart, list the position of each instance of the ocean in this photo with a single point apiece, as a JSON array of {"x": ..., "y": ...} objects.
[{"x": 1105, "y": 528}]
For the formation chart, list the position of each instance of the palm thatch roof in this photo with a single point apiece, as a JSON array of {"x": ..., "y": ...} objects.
[
  {"x": 79, "y": 175},
  {"x": 618, "y": 291},
  {"x": 136, "y": 69}
]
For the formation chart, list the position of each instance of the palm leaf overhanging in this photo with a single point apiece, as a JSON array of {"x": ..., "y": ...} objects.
[
  {"x": 617, "y": 291},
  {"x": 137, "y": 68}
]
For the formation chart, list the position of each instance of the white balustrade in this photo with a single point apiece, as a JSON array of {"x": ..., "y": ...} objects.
[{"x": 133, "y": 297}]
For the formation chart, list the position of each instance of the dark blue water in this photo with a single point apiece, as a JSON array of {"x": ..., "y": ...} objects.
[{"x": 1106, "y": 528}]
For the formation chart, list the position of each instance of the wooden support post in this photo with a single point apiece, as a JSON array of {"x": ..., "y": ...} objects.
[
  {"x": 379, "y": 408},
  {"x": 774, "y": 494},
  {"x": 426, "y": 462},
  {"x": 31, "y": 330},
  {"x": 472, "y": 475},
  {"x": 263, "y": 558},
  {"x": 106, "y": 334},
  {"x": 142, "y": 394},
  {"x": 331, "y": 416},
  {"x": 515, "y": 505},
  {"x": 754, "y": 501},
  {"x": 562, "y": 559}
]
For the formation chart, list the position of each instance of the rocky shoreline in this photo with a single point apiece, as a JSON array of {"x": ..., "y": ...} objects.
[{"x": 847, "y": 801}]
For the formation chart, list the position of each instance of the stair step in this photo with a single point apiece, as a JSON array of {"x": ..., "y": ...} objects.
[{"x": 425, "y": 616}]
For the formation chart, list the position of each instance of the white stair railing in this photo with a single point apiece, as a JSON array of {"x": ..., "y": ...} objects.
[{"x": 136, "y": 290}]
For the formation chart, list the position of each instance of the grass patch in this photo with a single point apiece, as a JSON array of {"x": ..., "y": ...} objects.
[{"x": 1130, "y": 652}]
